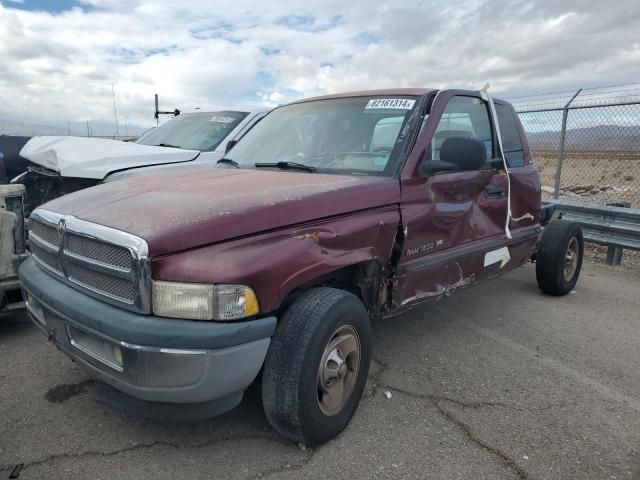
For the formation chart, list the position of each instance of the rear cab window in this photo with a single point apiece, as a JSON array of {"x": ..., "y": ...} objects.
[{"x": 511, "y": 141}]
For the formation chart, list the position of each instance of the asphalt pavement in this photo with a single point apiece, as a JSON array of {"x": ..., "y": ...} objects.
[{"x": 494, "y": 382}]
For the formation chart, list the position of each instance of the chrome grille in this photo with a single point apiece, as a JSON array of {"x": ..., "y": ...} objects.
[
  {"x": 49, "y": 259},
  {"x": 45, "y": 232},
  {"x": 98, "y": 251},
  {"x": 119, "y": 288},
  {"x": 104, "y": 262}
]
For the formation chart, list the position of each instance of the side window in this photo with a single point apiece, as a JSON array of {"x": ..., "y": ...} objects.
[
  {"x": 464, "y": 117},
  {"x": 511, "y": 141}
]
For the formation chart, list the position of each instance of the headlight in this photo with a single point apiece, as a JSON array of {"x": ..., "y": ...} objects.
[{"x": 198, "y": 301}]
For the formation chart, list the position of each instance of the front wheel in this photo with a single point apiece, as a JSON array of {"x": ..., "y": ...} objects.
[
  {"x": 317, "y": 366},
  {"x": 559, "y": 257}
]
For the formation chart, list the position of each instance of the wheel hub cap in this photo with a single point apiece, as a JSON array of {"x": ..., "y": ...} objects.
[
  {"x": 571, "y": 259},
  {"x": 338, "y": 370}
]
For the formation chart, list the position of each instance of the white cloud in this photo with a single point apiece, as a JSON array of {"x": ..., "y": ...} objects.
[{"x": 197, "y": 53}]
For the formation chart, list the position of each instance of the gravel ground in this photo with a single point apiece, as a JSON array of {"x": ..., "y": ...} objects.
[{"x": 497, "y": 382}]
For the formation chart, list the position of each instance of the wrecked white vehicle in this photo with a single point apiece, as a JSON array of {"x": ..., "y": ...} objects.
[
  {"x": 62, "y": 165},
  {"x": 12, "y": 245}
]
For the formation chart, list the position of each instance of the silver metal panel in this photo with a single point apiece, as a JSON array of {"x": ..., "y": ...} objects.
[{"x": 604, "y": 225}]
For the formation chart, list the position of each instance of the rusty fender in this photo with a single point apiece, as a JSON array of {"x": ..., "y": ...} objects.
[{"x": 276, "y": 263}]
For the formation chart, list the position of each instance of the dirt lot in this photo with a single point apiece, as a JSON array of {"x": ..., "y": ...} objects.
[
  {"x": 496, "y": 382},
  {"x": 592, "y": 176}
]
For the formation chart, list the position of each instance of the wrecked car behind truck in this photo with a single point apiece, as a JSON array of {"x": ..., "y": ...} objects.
[
  {"x": 176, "y": 292},
  {"x": 57, "y": 166}
]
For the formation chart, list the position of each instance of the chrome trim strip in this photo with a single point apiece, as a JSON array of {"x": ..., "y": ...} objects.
[
  {"x": 34, "y": 314},
  {"x": 139, "y": 275}
]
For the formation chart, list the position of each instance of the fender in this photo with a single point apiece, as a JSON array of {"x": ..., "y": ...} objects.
[{"x": 276, "y": 263}]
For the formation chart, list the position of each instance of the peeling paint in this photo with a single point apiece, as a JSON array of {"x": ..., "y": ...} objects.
[
  {"x": 313, "y": 236},
  {"x": 440, "y": 290},
  {"x": 526, "y": 216}
]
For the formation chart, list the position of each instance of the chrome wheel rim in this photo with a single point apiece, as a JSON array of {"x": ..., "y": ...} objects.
[
  {"x": 571, "y": 259},
  {"x": 338, "y": 370}
]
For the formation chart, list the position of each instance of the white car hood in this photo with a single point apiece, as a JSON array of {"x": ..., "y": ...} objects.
[{"x": 96, "y": 157}]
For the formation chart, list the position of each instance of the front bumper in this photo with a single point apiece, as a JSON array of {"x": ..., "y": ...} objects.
[{"x": 150, "y": 358}]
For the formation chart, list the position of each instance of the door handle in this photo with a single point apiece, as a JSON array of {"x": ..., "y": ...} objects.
[{"x": 491, "y": 191}]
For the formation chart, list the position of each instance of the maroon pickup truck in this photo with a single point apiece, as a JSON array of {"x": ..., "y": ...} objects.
[{"x": 179, "y": 291}]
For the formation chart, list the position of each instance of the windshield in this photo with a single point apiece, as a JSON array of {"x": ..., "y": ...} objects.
[
  {"x": 195, "y": 131},
  {"x": 358, "y": 135}
]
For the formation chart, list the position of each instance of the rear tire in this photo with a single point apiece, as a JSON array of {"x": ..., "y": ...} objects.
[
  {"x": 322, "y": 345},
  {"x": 559, "y": 257}
]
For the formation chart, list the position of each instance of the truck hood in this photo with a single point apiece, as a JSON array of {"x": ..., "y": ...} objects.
[
  {"x": 97, "y": 157},
  {"x": 199, "y": 206}
]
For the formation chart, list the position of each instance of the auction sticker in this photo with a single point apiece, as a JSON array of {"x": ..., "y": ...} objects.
[
  {"x": 220, "y": 119},
  {"x": 398, "y": 103}
]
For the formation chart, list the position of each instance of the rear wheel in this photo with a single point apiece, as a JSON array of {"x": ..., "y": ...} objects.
[
  {"x": 559, "y": 257},
  {"x": 317, "y": 366}
]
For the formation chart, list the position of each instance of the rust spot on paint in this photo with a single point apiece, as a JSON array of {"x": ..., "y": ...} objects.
[{"x": 313, "y": 236}]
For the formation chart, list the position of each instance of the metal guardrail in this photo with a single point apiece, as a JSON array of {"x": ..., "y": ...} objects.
[{"x": 612, "y": 226}]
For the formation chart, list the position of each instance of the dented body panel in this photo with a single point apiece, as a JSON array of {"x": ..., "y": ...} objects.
[
  {"x": 279, "y": 262},
  {"x": 450, "y": 222}
]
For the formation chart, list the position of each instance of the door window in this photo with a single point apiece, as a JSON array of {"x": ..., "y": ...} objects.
[{"x": 464, "y": 117}]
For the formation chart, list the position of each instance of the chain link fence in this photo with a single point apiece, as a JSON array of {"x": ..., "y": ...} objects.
[{"x": 586, "y": 143}]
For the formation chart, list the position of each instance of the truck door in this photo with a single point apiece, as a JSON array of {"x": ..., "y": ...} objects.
[{"x": 452, "y": 220}]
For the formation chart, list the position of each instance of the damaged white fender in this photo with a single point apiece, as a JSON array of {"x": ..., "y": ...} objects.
[{"x": 96, "y": 157}]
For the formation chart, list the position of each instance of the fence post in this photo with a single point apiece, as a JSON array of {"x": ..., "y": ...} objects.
[{"x": 563, "y": 133}]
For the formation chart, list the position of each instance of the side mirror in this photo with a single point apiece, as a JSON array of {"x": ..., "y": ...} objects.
[
  {"x": 229, "y": 146},
  {"x": 457, "y": 154}
]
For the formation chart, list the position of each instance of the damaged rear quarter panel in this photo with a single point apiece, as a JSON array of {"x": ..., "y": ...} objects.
[{"x": 275, "y": 263}]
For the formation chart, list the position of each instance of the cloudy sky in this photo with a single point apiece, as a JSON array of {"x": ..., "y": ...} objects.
[{"x": 58, "y": 58}]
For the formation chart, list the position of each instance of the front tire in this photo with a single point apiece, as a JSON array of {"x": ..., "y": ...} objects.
[
  {"x": 317, "y": 366},
  {"x": 559, "y": 257}
]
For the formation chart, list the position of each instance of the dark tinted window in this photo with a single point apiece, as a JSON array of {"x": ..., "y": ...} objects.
[{"x": 511, "y": 141}]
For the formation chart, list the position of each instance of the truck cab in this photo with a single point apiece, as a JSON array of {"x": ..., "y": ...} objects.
[{"x": 177, "y": 292}]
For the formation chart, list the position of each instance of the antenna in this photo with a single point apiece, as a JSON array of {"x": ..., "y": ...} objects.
[
  {"x": 157, "y": 113},
  {"x": 115, "y": 112}
]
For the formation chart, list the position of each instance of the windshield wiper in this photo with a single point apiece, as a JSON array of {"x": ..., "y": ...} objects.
[
  {"x": 229, "y": 161},
  {"x": 287, "y": 166},
  {"x": 166, "y": 145}
]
